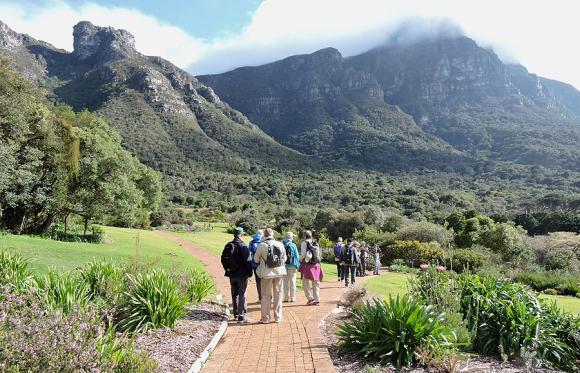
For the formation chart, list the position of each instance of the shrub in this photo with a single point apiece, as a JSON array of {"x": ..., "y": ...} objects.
[
  {"x": 462, "y": 259},
  {"x": 564, "y": 284},
  {"x": 14, "y": 269},
  {"x": 75, "y": 233},
  {"x": 36, "y": 340},
  {"x": 562, "y": 329},
  {"x": 424, "y": 232},
  {"x": 104, "y": 278},
  {"x": 152, "y": 300},
  {"x": 402, "y": 268},
  {"x": 373, "y": 236},
  {"x": 551, "y": 291},
  {"x": 62, "y": 291},
  {"x": 391, "y": 330},
  {"x": 198, "y": 285},
  {"x": 414, "y": 252},
  {"x": 562, "y": 258},
  {"x": 509, "y": 320}
]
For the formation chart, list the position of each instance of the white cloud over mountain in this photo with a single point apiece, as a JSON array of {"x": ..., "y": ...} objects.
[{"x": 540, "y": 35}]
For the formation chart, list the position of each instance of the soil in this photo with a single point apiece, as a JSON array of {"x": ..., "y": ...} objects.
[
  {"x": 351, "y": 364},
  {"x": 177, "y": 349}
]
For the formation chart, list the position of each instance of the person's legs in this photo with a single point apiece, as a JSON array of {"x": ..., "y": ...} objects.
[
  {"x": 316, "y": 291},
  {"x": 266, "y": 284},
  {"x": 290, "y": 285},
  {"x": 339, "y": 270},
  {"x": 258, "y": 285},
  {"x": 242, "y": 300},
  {"x": 307, "y": 289},
  {"x": 234, "y": 291},
  {"x": 352, "y": 275},
  {"x": 345, "y": 270},
  {"x": 278, "y": 284}
]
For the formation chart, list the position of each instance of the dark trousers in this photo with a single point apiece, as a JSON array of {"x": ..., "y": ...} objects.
[
  {"x": 239, "y": 286},
  {"x": 363, "y": 266},
  {"x": 339, "y": 270},
  {"x": 258, "y": 285},
  {"x": 346, "y": 270}
]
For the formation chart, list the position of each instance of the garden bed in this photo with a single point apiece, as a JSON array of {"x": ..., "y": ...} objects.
[
  {"x": 351, "y": 364},
  {"x": 177, "y": 349}
]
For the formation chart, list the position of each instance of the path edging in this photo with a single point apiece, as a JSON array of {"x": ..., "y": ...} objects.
[{"x": 198, "y": 364}]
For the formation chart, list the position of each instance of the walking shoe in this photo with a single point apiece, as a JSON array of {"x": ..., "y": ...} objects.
[
  {"x": 240, "y": 318},
  {"x": 316, "y": 304},
  {"x": 264, "y": 321},
  {"x": 278, "y": 321},
  {"x": 246, "y": 320},
  {"x": 310, "y": 302}
]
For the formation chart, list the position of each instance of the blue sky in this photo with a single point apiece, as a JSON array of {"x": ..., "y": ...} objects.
[{"x": 212, "y": 36}]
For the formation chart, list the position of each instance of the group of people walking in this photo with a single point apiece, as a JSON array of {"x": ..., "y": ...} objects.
[
  {"x": 274, "y": 265},
  {"x": 352, "y": 259}
]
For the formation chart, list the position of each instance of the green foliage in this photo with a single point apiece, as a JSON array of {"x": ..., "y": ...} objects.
[
  {"x": 507, "y": 240},
  {"x": 14, "y": 270},
  {"x": 564, "y": 284},
  {"x": 564, "y": 329},
  {"x": 62, "y": 291},
  {"x": 152, "y": 300},
  {"x": 414, "y": 253},
  {"x": 466, "y": 259},
  {"x": 374, "y": 236},
  {"x": 508, "y": 321},
  {"x": 198, "y": 286},
  {"x": 391, "y": 330},
  {"x": 424, "y": 232},
  {"x": 104, "y": 278},
  {"x": 75, "y": 233}
]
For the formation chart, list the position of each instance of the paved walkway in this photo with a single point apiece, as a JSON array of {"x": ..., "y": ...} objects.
[{"x": 295, "y": 345}]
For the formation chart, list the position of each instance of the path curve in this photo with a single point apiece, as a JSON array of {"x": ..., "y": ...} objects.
[{"x": 295, "y": 345}]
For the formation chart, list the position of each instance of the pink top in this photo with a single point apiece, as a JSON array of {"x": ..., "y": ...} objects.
[{"x": 311, "y": 271}]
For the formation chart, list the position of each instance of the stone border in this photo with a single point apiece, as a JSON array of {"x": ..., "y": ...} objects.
[{"x": 198, "y": 364}]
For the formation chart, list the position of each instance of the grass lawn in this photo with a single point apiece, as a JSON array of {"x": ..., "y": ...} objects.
[
  {"x": 392, "y": 283},
  {"x": 64, "y": 256}
]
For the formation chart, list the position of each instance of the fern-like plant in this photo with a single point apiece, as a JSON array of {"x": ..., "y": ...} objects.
[
  {"x": 198, "y": 285},
  {"x": 152, "y": 300},
  {"x": 103, "y": 277},
  {"x": 391, "y": 330},
  {"x": 62, "y": 291},
  {"x": 14, "y": 270}
]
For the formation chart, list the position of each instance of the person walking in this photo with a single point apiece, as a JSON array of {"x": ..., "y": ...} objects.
[
  {"x": 253, "y": 246},
  {"x": 234, "y": 259},
  {"x": 310, "y": 269},
  {"x": 350, "y": 260},
  {"x": 364, "y": 254},
  {"x": 377, "y": 258},
  {"x": 337, "y": 253},
  {"x": 292, "y": 263},
  {"x": 271, "y": 257}
]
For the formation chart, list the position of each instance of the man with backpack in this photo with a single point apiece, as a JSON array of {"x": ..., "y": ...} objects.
[
  {"x": 350, "y": 261},
  {"x": 253, "y": 246},
  {"x": 271, "y": 257},
  {"x": 292, "y": 263},
  {"x": 310, "y": 269},
  {"x": 235, "y": 262},
  {"x": 337, "y": 253}
]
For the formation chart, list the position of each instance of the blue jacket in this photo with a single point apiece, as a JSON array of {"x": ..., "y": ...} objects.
[
  {"x": 295, "y": 256},
  {"x": 253, "y": 246}
]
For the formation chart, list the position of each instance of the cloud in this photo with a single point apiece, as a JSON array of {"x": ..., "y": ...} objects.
[
  {"x": 53, "y": 22},
  {"x": 541, "y": 36}
]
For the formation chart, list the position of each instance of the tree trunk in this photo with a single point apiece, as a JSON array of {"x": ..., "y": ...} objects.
[
  {"x": 22, "y": 223},
  {"x": 46, "y": 224},
  {"x": 86, "y": 226}
]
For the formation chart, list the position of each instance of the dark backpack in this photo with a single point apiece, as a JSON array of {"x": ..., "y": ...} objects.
[
  {"x": 348, "y": 256},
  {"x": 314, "y": 252},
  {"x": 337, "y": 250},
  {"x": 288, "y": 248},
  {"x": 230, "y": 258},
  {"x": 274, "y": 257}
]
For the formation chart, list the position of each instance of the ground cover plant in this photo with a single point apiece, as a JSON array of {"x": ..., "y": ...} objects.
[{"x": 87, "y": 309}]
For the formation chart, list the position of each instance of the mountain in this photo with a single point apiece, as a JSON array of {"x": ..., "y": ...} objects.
[
  {"x": 167, "y": 117},
  {"x": 454, "y": 100}
]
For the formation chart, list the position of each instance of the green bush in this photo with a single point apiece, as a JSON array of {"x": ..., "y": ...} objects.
[
  {"x": 152, "y": 300},
  {"x": 424, "y": 232},
  {"x": 62, "y": 291},
  {"x": 374, "y": 236},
  {"x": 104, "y": 278},
  {"x": 14, "y": 270},
  {"x": 391, "y": 330},
  {"x": 414, "y": 253},
  {"x": 562, "y": 258},
  {"x": 75, "y": 233},
  {"x": 564, "y": 284},
  {"x": 463, "y": 259},
  {"x": 508, "y": 320},
  {"x": 402, "y": 269},
  {"x": 198, "y": 285},
  {"x": 562, "y": 329}
]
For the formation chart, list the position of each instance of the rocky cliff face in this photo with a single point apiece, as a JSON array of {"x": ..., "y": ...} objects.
[
  {"x": 165, "y": 115},
  {"x": 454, "y": 90}
]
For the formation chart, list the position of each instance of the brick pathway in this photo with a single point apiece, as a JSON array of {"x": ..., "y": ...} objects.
[{"x": 295, "y": 345}]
